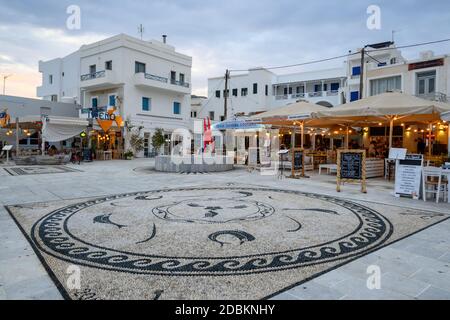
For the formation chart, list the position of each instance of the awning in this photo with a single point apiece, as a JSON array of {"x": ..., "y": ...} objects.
[
  {"x": 56, "y": 129},
  {"x": 237, "y": 124}
]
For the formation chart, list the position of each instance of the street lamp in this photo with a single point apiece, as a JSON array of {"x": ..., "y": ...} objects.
[{"x": 4, "y": 82}]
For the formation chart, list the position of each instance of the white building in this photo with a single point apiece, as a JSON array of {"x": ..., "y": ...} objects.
[
  {"x": 148, "y": 80},
  {"x": 261, "y": 90}
]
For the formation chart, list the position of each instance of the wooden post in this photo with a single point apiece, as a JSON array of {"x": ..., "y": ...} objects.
[
  {"x": 430, "y": 131},
  {"x": 391, "y": 131},
  {"x": 17, "y": 137},
  {"x": 302, "y": 131}
]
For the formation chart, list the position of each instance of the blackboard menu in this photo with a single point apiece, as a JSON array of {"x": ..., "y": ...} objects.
[
  {"x": 298, "y": 159},
  {"x": 351, "y": 165}
]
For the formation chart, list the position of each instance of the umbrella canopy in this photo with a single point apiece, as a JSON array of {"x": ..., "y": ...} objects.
[
  {"x": 296, "y": 111},
  {"x": 388, "y": 105}
]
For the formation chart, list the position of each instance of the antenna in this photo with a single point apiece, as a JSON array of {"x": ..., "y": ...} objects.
[{"x": 141, "y": 30}]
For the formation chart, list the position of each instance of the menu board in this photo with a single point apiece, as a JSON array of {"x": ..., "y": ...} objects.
[
  {"x": 298, "y": 159},
  {"x": 252, "y": 156},
  {"x": 408, "y": 174},
  {"x": 351, "y": 166},
  {"x": 297, "y": 162}
]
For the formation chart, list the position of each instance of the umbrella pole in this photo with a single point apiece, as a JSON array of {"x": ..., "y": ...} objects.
[
  {"x": 391, "y": 131},
  {"x": 346, "y": 139},
  {"x": 430, "y": 131},
  {"x": 302, "y": 139},
  {"x": 17, "y": 137}
]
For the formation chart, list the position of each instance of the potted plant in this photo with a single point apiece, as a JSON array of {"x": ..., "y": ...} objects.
[
  {"x": 128, "y": 155},
  {"x": 158, "y": 139}
]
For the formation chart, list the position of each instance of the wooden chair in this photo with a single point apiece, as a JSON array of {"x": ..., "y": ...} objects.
[{"x": 432, "y": 183}]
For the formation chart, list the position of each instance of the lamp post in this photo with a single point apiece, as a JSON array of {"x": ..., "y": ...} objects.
[{"x": 4, "y": 82}]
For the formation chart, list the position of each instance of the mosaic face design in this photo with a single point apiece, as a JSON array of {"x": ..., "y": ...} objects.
[{"x": 210, "y": 231}]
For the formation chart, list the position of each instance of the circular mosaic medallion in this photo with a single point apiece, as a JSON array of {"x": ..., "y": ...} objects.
[{"x": 210, "y": 231}]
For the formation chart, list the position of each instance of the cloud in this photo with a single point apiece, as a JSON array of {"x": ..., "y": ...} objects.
[{"x": 231, "y": 34}]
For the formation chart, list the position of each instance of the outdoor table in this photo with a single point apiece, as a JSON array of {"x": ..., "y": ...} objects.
[{"x": 330, "y": 167}]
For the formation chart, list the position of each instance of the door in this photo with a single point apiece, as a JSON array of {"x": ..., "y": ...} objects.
[
  {"x": 426, "y": 84},
  {"x": 147, "y": 145}
]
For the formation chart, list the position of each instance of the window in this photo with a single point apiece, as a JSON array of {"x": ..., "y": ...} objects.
[
  {"x": 50, "y": 79},
  {"x": 426, "y": 82},
  {"x": 267, "y": 90},
  {"x": 334, "y": 86},
  {"x": 139, "y": 67},
  {"x": 146, "y": 104},
  {"x": 173, "y": 75},
  {"x": 255, "y": 88},
  {"x": 211, "y": 115},
  {"x": 193, "y": 114},
  {"x": 222, "y": 118},
  {"x": 112, "y": 100},
  {"x": 62, "y": 74},
  {"x": 181, "y": 78},
  {"x": 226, "y": 93},
  {"x": 217, "y": 93},
  {"x": 92, "y": 69},
  {"x": 244, "y": 92},
  {"x": 383, "y": 85},
  {"x": 235, "y": 92},
  {"x": 176, "y": 108},
  {"x": 356, "y": 71},
  {"x": 108, "y": 65},
  {"x": 325, "y": 86},
  {"x": 354, "y": 95},
  {"x": 285, "y": 91},
  {"x": 317, "y": 87},
  {"x": 54, "y": 98},
  {"x": 290, "y": 90}
]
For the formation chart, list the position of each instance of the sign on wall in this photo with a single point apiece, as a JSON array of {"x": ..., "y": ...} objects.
[
  {"x": 351, "y": 167},
  {"x": 408, "y": 174}
]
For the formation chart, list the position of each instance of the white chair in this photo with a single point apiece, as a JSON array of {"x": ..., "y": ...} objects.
[{"x": 432, "y": 183}]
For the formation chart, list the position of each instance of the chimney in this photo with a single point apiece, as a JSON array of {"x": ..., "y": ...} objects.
[{"x": 164, "y": 38}]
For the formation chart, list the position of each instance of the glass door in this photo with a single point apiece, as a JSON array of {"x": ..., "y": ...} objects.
[{"x": 426, "y": 83}]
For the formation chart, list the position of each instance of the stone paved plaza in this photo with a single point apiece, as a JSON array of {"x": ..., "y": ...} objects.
[{"x": 415, "y": 267}]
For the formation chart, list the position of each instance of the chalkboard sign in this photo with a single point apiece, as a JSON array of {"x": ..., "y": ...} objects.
[
  {"x": 297, "y": 161},
  {"x": 351, "y": 166},
  {"x": 87, "y": 154}
]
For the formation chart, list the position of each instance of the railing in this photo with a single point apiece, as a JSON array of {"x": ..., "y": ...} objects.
[
  {"x": 156, "y": 78},
  {"x": 435, "y": 96},
  {"x": 90, "y": 76},
  {"x": 298, "y": 95},
  {"x": 315, "y": 94},
  {"x": 307, "y": 94},
  {"x": 179, "y": 83}
]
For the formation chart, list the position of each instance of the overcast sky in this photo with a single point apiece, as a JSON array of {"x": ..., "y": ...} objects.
[{"x": 235, "y": 34}]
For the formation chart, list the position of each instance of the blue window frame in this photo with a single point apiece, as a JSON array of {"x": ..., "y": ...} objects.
[
  {"x": 146, "y": 104},
  {"x": 94, "y": 102},
  {"x": 354, "y": 95},
  {"x": 176, "y": 108},
  {"x": 334, "y": 86},
  {"x": 356, "y": 71},
  {"x": 112, "y": 100},
  {"x": 317, "y": 88}
]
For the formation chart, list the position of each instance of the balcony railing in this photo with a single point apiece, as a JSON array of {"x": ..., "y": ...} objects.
[
  {"x": 90, "y": 76},
  {"x": 435, "y": 96},
  {"x": 307, "y": 95},
  {"x": 156, "y": 78},
  {"x": 179, "y": 83}
]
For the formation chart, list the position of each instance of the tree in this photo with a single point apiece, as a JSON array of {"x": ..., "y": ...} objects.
[{"x": 158, "y": 139}]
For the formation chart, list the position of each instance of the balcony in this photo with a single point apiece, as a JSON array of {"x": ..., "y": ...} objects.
[
  {"x": 147, "y": 80},
  {"x": 99, "y": 80},
  {"x": 435, "y": 96}
]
